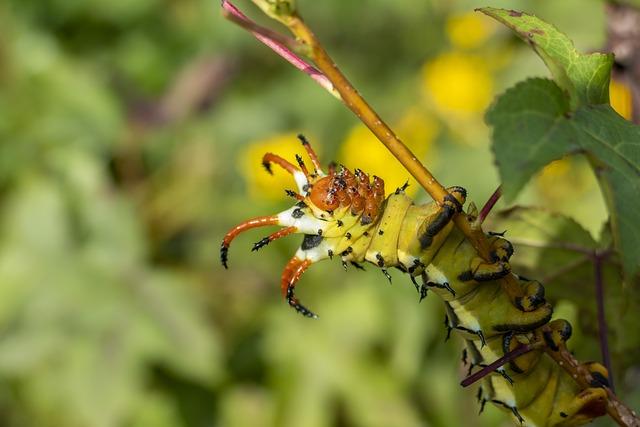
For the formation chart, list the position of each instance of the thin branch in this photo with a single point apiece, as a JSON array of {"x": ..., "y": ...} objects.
[
  {"x": 489, "y": 205},
  {"x": 566, "y": 268},
  {"x": 602, "y": 321},
  {"x": 476, "y": 376},
  {"x": 279, "y": 43},
  {"x": 235, "y": 15}
]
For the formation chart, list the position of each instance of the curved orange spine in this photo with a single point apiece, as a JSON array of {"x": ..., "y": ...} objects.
[
  {"x": 260, "y": 221},
  {"x": 292, "y": 272},
  {"x": 312, "y": 154},
  {"x": 269, "y": 158}
]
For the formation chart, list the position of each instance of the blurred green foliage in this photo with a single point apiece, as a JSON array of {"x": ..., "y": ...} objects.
[{"x": 122, "y": 130}]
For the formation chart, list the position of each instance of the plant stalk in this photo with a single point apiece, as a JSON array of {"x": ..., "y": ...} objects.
[
  {"x": 468, "y": 226},
  {"x": 602, "y": 321}
]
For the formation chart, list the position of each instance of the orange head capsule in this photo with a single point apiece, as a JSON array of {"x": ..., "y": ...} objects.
[{"x": 323, "y": 195}]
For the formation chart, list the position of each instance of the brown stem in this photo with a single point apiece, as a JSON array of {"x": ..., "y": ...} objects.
[
  {"x": 490, "y": 204},
  {"x": 602, "y": 321},
  {"x": 471, "y": 229},
  {"x": 233, "y": 14},
  {"x": 476, "y": 376},
  {"x": 565, "y": 268}
]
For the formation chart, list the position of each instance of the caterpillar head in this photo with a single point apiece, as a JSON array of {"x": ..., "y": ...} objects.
[
  {"x": 328, "y": 203},
  {"x": 346, "y": 192},
  {"x": 327, "y": 199}
]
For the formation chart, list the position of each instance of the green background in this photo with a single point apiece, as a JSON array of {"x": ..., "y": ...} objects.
[{"x": 122, "y": 128}]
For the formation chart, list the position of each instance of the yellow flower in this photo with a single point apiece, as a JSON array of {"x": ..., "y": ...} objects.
[
  {"x": 556, "y": 169},
  {"x": 568, "y": 186},
  {"x": 620, "y": 98},
  {"x": 458, "y": 84},
  {"x": 361, "y": 149},
  {"x": 561, "y": 177},
  {"x": 262, "y": 185},
  {"x": 468, "y": 30}
]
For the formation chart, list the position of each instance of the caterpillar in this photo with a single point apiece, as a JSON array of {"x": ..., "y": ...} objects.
[{"x": 345, "y": 214}]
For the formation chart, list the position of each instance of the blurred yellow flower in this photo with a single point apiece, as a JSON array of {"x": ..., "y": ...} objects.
[
  {"x": 620, "y": 98},
  {"x": 361, "y": 149},
  {"x": 262, "y": 185},
  {"x": 561, "y": 177},
  {"x": 556, "y": 169},
  {"x": 458, "y": 84},
  {"x": 468, "y": 30},
  {"x": 569, "y": 186}
]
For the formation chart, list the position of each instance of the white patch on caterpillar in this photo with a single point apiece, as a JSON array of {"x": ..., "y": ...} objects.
[
  {"x": 503, "y": 391},
  {"x": 435, "y": 275},
  {"x": 315, "y": 254},
  {"x": 409, "y": 261},
  {"x": 306, "y": 224},
  {"x": 406, "y": 259},
  {"x": 466, "y": 319},
  {"x": 301, "y": 181}
]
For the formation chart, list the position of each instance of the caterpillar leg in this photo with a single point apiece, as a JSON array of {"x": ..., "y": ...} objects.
[
  {"x": 261, "y": 221},
  {"x": 599, "y": 373},
  {"x": 590, "y": 403},
  {"x": 572, "y": 406},
  {"x": 290, "y": 276},
  {"x": 442, "y": 217},
  {"x": 501, "y": 251}
]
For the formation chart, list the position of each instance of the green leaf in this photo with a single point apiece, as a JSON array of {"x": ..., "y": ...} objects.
[
  {"x": 613, "y": 145},
  {"x": 528, "y": 122},
  {"x": 533, "y": 126},
  {"x": 584, "y": 77}
]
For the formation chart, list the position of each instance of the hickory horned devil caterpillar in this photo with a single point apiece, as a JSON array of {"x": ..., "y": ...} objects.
[{"x": 346, "y": 214}]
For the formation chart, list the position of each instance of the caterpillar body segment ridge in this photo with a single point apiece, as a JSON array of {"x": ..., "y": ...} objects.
[{"x": 346, "y": 214}]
